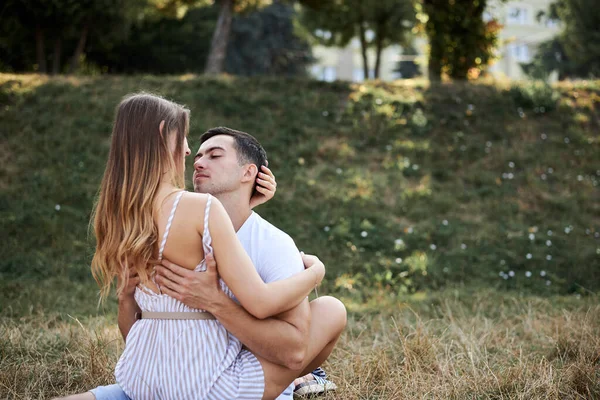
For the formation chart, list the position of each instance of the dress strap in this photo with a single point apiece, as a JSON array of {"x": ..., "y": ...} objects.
[
  {"x": 206, "y": 239},
  {"x": 169, "y": 222}
]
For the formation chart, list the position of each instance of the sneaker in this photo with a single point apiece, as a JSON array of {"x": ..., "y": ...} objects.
[{"x": 315, "y": 386}]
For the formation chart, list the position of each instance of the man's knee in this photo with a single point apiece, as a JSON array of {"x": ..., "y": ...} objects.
[{"x": 333, "y": 309}]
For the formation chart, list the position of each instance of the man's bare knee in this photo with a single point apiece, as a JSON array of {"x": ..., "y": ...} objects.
[{"x": 333, "y": 309}]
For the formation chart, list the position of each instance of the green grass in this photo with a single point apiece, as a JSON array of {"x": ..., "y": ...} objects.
[
  {"x": 405, "y": 190},
  {"x": 397, "y": 187}
]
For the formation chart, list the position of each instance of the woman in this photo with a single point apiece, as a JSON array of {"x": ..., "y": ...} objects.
[{"x": 142, "y": 214}]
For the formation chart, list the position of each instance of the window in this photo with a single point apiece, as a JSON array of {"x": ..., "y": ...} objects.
[
  {"x": 520, "y": 52},
  {"x": 329, "y": 74},
  {"x": 323, "y": 73},
  {"x": 358, "y": 75},
  {"x": 551, "y": 23},
  {"x": 517, "y": 16}
]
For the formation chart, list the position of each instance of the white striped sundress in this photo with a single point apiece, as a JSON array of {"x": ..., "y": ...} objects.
[{"x": 185, "y": 359}]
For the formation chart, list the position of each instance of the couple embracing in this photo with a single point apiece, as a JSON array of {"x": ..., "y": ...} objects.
[{"x": 244, "y": 332}]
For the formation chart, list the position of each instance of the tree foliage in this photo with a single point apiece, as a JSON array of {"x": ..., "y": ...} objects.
[
  {"x": 390, "y": 21},
  {"x": 575, "y": 52},
  {"x": 460, "y": 40}
]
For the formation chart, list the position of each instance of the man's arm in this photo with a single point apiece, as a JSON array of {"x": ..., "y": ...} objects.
[
  {"x": 282, "y": 340},
  {"x": 127, "y": 305}
]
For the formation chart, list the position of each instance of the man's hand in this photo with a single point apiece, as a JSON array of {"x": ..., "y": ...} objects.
[
  {"x": 132, "y": 281},
  {"x": 265, "y": 188},
  {"x": 198, "y": 290}
]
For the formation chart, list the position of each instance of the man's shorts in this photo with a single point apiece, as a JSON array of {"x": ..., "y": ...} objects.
[{"x": 110, "y": 392}]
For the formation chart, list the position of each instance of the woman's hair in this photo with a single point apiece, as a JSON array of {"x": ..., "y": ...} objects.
[{"x": 139, "y": 159}]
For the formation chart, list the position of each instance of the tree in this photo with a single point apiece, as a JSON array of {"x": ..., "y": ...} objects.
[
  {"x": 575, "y": 52},
  {"x": 408, "y": 68},
  {"x": 581, "y": 36},
  {"x": 459, "y": 38},
  {"x": 389, "y": 21},
  {"x": 265, "y": 42}
]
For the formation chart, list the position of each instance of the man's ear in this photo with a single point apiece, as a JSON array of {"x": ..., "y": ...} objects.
[{"x": 250, "y": 173}]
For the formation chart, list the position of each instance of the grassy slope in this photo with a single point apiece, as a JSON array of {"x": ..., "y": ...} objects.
[
  {"x": 395, "y": 186},
  {"x": 392, "y": 161}
]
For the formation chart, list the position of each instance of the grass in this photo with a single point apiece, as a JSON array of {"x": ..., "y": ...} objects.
[
  {"x": 447, "y": 345},
  {"x": 491, "y": 188}
]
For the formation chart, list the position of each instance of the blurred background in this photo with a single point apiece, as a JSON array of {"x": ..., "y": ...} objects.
[{"x": 428, "y": 151}]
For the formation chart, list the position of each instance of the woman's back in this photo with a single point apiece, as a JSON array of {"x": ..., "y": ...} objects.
[{"x": 184, "y": 358}]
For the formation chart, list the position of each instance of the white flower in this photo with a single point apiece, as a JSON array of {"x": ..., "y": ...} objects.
[
  {"x": 567, "y": 140},
  {"x": 511, "y": 164},
  {"x": 502, "y": 262},
  {"x": 550, "y": 170},
  {"x": 544, "y": 136},
  {"x": 542, "y": 273},
  {"x": 501, "y": 273},
  {"x": 57, "y": 207},
  {"x": 505, "y": 276},
  {"x": 463, "y": 246},
  {"x": 388, "y": 147},
  {"x": 398, "y": 242},
  {"x": 511, "y": 273},
  {"x": 432, "y": 246},
  {"x": 398, "y": 260},
  {"x": 531, "y": 236},
  {"x": 548, "y": 243},
  {"x": 548, "y": 283},
  {"x": 510, "y": 175},
  {"x": 378, "y": 101},
  {"x": 338, "y": 171},
  {"x": 568, "y": 230},
  {"x": 410, "y": 229},
  {"x": 548, "y": 257},
  {"x": 528, "y": 274},
  {"x": 446, "y": 269},
  {"x": 543, "y": 177},
  {"x": 596, "y": 234},
  {"x": 579, "y": 178},
  {"x": 415, "y": 167},
  {"x": 550, "y": 233},
  {"x": 364, "y": 234},
  {"x": 327, "y": 229},
  {"x": 528, "y": 256},
  {"x": 445, "y": 222},
  {"x": 471, "y": 107},
  {"x": 489, "y": 144},
  {"x": 587, "y": 231}
]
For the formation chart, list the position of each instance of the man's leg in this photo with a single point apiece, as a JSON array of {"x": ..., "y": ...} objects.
[
  {"x": 110, "y": 392},
  {"x": 327, "y": 324}
]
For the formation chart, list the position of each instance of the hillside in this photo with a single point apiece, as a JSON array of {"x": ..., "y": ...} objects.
[{"x": 397, "y": 187}]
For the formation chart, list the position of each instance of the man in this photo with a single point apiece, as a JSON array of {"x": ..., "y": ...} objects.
[{"x": 226, "y": 166}]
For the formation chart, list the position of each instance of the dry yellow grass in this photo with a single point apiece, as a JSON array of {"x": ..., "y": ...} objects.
[{"x": 451, "y": 346}]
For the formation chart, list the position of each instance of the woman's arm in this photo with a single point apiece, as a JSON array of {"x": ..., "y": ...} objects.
[{"x": 236, "y": 269}]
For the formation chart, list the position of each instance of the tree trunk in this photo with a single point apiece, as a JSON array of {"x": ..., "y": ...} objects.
[
  {"x": 39, "y": 49},
  {"x": 79, "y": 49},
  {"x": 379, "y": 47},
  {"x": 363, "y": 48},
  {"x": 56, "y": 56},
  {"x": 218, "y": 45}
]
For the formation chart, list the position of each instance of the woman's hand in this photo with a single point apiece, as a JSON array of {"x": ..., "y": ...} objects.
[
  {"x": 265, "y": 188},
  {"x": 315, "y": 265}
]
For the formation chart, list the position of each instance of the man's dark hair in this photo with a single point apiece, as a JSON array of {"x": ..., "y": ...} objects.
[{"x": 249, "y": 150}]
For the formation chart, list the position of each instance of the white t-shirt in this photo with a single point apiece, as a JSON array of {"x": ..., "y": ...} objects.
[{"x": 274, "y": 254}]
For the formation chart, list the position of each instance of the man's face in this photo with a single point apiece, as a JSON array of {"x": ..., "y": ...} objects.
[{"x": 216, "y": 166}]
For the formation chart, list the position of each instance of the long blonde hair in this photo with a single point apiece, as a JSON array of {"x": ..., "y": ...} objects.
[{"x": 139, "y": 158}]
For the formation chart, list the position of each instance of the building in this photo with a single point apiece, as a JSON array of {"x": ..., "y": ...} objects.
[{"x": 522, "y": 32}]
